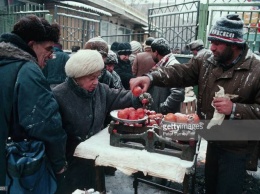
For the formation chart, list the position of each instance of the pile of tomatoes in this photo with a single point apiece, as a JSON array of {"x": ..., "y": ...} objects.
[
  {"x": 182, "y": 118},
  {"x": 131, "y": 113},
  {"x": 156, "y": 118}
]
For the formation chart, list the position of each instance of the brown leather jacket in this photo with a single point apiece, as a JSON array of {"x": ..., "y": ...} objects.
[
  {"x": 243, "y": 80},
  {"x": 142, "y": 64}
]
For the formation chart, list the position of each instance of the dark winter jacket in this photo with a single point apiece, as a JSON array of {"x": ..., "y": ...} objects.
[
  {"x": 124, "y": 70},
  {"x": 28, "y": 107},
  {"x": 106, "y": 78},
  {"x": 83, "y": 113},
  {"x": 243, "y": 79},
  {"x": 54, "y": 69},
  {"x": 117, "y": 80},
  {"x": 166, "y": 99}
]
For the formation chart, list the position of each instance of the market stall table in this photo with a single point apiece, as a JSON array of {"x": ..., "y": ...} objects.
[{"x": 130, "y": 160}]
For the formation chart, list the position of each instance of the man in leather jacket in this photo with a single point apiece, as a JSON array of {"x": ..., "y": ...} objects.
[
  {"x": 166, "y": 99},
  {"x": 234, "y": 67}
]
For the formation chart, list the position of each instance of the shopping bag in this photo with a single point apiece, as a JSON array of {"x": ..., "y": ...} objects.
[{"x": 28, "y": 169}]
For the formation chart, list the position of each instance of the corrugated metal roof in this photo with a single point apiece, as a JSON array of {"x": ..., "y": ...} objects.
[{"x": 100, "y": 11}]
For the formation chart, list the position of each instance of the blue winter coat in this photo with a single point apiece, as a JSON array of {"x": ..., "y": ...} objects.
[
  {"x": 54, "y": 70},
  {"x": 27, "y": 103}
]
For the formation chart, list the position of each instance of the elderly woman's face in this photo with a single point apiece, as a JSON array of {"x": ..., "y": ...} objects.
[{"x": 88, "y": 82}]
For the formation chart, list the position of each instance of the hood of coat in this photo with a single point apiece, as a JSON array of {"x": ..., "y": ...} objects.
[{"x": 14, "y": 49}]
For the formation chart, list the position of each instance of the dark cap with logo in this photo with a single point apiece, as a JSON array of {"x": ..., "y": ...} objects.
[{"x": 228, "y": 29}]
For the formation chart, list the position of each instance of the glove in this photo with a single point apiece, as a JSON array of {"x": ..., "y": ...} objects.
[{"x": 146, "y": 99}]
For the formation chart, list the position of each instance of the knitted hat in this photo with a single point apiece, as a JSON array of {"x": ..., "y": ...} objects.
[
  {"x": 228, "y": 29},
  {"x": 124, "y": 49},
  {"x": 136, "y": 46},
  {"x": 99, "y": 44},
  {"x": 111, "y": 58},
  {"x": 196, "y": 44},
  {"x": 84, "y": 62}
]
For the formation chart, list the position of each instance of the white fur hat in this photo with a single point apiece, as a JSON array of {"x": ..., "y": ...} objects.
[{"x": 84, "y": 62}]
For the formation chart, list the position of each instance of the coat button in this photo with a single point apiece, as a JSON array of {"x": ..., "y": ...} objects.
[{"x": 238, "y": 116}]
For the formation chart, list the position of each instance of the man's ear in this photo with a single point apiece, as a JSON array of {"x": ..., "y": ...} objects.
[{"x": 31, "y": 43}]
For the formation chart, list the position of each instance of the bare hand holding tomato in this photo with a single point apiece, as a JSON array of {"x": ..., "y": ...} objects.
[{"x": 137, "y": 91}]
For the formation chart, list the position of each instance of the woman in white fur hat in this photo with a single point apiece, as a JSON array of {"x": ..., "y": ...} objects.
[{"x": 84, "y": 104}]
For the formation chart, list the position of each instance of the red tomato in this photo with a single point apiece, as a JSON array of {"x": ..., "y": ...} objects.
[
  {"x": 122, "y": 114},
  {"x": 170, "y": 117},
  {"x": 152, "y": 116},
  {"x": 145, "y": 101},
  {"x": 133, "y": 115},
  {"x": 140, "y": 112},
  {"x": 140, "y": 115},
  {"x": 181, "y": 118},
  {"x": 131, "y": 108},
  {"x": 137, "y": 91},
  {"x": 158, "y": 115},
  {"x": 152, "y": 122},
  {"x": 127, "y": 111},
  {"x": 152, "y": 112}
]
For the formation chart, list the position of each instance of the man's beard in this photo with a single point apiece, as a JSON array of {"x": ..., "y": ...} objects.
[
  {"x": 155, "y": 59},
  {"x": 225, "y": 55}
]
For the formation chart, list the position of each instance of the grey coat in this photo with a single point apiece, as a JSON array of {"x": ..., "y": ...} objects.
[{"x": 83, "y": 113}]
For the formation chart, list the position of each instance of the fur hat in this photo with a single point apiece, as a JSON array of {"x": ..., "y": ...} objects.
[
  {"x": 84, "y": 62},
  {"x": 228, "y": 29},
  {"x": 113, "y": 46},
  {"x": 124, "y": 49},
  {"x": 136, "y": 46},
  {"x": 148, "y": 42},
  {"x": 161, "y": 46},
  {"x": 31, "y": 27},
  {"x": 196, "y": 44},
  {"x": 99, "y": 44},
  {"x": 111, "y": 58}
]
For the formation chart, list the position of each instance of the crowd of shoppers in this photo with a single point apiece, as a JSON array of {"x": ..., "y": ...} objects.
[{"x": 96, "y": 80}]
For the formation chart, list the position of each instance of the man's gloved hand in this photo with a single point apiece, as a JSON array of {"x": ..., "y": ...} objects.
[{"x": 146, "y": 99}]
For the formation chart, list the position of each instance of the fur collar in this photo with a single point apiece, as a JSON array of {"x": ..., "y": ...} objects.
[{"x": 12, "y": 46}]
